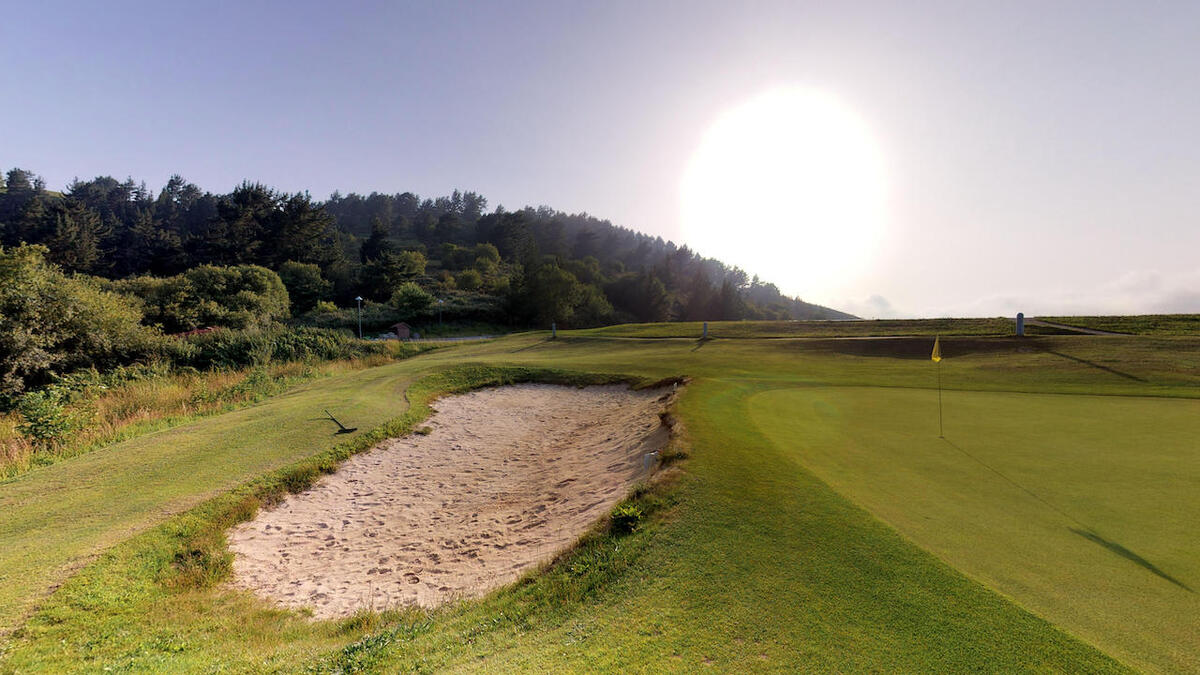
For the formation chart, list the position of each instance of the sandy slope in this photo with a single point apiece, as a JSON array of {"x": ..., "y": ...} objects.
[{"x": 508, "y": 477}]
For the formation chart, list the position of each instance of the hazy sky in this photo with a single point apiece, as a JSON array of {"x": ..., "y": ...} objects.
[{"x": 1040, "y": 156}]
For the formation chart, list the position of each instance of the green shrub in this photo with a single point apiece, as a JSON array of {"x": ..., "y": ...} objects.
[
  {"x": 304, "y": 284},
  {"x": 626, "y": 517},
  {"x": 52, "y": 324},
  {"x": 257, "y": 347},
  {"x": 241, "y": 296},
  {"x": 410, "y": 300},
  {"x": 44, "y": 415},
  {"x": 468, "y": 280},
  {"x": 231, "y": 348}
]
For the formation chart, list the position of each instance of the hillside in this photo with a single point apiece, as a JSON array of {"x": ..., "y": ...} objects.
[{"x": 520, "y": 268}]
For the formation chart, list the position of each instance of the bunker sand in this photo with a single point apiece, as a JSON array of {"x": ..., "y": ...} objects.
[{"x": 507, "y": 478}]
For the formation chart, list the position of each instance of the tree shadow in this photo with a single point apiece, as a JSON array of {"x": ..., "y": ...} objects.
[
  {"x": 1129, "y": 555},
  {"x": 1093, "y": 364}
]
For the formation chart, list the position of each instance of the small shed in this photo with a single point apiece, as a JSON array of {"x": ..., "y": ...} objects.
[{"x": 402, "y": 330}]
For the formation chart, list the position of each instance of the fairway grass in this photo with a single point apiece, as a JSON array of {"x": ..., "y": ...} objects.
[
  {"x": 749, "y": 561},
  {"x": 55, "y": 518}
]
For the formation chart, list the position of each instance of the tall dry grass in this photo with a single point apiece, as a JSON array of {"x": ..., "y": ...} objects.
[{"x": 136, "y": 407}]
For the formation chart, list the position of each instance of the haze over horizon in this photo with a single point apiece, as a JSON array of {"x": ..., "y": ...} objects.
[{"x": 1019, "y": 158}]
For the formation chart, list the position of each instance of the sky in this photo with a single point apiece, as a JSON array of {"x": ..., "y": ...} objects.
[{"x": 1037, "y": 156}]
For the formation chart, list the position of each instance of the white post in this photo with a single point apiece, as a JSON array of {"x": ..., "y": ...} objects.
[
  {"x": 704, "y": 336},
  {"x": 553, "y": 330}
]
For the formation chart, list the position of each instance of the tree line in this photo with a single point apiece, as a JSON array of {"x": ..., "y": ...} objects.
[{"x": 520, "y": 268}]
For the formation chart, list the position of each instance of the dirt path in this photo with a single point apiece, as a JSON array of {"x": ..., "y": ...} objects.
[{"x": 506, "y": 478}]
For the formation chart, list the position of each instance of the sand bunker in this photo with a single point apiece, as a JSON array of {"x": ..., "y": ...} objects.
[{"x": 507, "y": 478}]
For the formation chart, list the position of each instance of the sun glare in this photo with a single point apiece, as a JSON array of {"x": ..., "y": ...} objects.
[{"x": 790, "y": 185}]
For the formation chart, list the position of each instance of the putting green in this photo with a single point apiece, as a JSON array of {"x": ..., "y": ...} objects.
[{"x": 1081, "y": 508}]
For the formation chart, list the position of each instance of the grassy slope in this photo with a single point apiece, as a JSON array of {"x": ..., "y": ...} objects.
[
  {"x": 1148, "y": 324},
  {"x": 995, "y": 327},
  {"x": 761, "y": 559},
  {"x": 76, "y": 508},
  {"x": 782, "y": 329}
]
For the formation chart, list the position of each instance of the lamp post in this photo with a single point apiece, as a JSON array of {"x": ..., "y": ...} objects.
[
  {"x": 440, "y": 303},
  {"x": 359, "y": 301}
]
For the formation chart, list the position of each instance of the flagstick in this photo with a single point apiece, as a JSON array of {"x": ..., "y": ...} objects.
[{"x": 940, "y": 433}]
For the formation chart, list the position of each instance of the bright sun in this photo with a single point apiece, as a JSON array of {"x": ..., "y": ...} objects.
[{"x": 789, "y": 186}]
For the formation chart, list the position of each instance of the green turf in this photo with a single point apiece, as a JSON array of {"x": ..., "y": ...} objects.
[
  {"x": 55, "y": 518},
  {"x": 759, "y": 565},
  {"x": 1039, "y": 496}
]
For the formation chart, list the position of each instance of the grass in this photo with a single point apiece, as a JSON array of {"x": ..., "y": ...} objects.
[
  {"x": 1146, "y": 324},
  {"x": 793, "y": 329},
  {"x": 166, "y": 400},
  {"x": 1037, "y": 495},
  {"x": 78, "y": 508},
  {"x": 759, "y": 557},
  {"x": 994, "y": 327}
]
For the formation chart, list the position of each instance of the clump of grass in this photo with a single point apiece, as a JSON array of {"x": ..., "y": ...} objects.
[
  {"x": 200, "y": 565},
  {"x": 626, "y": 518}
]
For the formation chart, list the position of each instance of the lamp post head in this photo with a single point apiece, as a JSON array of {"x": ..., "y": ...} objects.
[{"x": 358, "y": 299}]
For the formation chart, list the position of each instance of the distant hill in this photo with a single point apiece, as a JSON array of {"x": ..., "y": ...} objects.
[{"x": 522, "y": 268}]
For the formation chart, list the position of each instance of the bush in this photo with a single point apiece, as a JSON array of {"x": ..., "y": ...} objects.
[
  {"x": 304, "y": 284},
  {"x": 468, "y": 280},
  {"x": 51, "y": 323},
  {"x": 44, "y": 415},
  {"x": 322, "y": 344},
  {"x": 410, "y": 300},
  {"x": 243, "y": 296},
  {"x": 257, "y": 347},
  {"x": 626, "y": 518}
]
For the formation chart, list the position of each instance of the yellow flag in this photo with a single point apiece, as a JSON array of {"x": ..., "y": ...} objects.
[{"x": 937, "y": 349}]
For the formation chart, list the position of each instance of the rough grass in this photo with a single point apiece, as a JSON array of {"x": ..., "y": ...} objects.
[
  {"x": 1146, "y": 324},
  {"x": 794, "y": 329},
  {"x": 163, "y": 401},
  {"x": 750, "y": 562}
]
